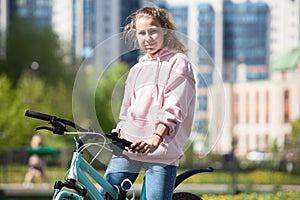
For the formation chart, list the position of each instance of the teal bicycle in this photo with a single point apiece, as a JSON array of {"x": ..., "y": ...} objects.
[{"x": 81, "y": 177}]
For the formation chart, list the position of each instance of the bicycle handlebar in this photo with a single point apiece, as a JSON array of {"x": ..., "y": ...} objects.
[
  {"x": 37, "y": 115},
  {"x": 59, "y": 126},
  {"x": 55, "y": 121}
]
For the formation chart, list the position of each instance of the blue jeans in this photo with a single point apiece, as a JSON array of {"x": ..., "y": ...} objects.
[{"x": 159, "y": 179}]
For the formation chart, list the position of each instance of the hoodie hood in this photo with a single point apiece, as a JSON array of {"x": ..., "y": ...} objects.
[{"x": 158, "y": 56}]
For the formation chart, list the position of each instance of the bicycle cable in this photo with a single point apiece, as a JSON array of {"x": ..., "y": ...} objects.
[
  {"x": 86, "y": 145},
  {"x": 131, "y": 186}
]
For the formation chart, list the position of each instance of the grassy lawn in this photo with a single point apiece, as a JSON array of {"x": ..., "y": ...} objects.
[
  {"x": 253, "y": 177},
  {"x": 16, "y": 173}
]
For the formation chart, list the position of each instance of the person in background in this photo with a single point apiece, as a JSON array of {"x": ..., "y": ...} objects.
[
  {"x": 36, "y": 162},
  {"x": 158, "y": 105}
]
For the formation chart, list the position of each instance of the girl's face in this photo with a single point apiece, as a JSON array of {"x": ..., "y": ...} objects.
[{"x": 150, "y": 35}]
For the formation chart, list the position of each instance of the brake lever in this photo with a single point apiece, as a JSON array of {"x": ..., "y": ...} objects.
[
  {"x": 58, "y": 127},
  {"x": 59, "y": 130},
  {"x": 118, "y": 149},
  {"x": 119, "y": 142},
  {"x": 54, "y": 129},
  {"x": 43, "y": 128}
]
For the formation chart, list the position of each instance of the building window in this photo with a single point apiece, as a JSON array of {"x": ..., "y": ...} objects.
[
  {"x": 257, "y": 107},
  {"x": 21, "y": 2},
  {"x": 247, "y": 107},
  {"x": 236, "y": 108},
  {"x": 267, "y": 106},
  {"x": 257, "y": 141},
  {"x": 286, "y": 105},
  {"x": 266, "y": 141},
  {"x": 247, "y": 142}
]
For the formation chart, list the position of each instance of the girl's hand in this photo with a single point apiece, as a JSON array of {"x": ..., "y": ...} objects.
[{"x": 145, "y": 147}]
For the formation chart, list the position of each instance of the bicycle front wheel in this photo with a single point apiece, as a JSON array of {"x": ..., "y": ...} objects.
[{"x": 185, "y": 196}]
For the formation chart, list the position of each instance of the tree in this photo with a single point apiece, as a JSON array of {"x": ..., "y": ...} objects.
[
  {"x": 294, "y": 149},
  {"x": 35, "y": 94},
  {"x": 295, "y": 133},
  {"x": 7, "y": 96},
  {"x": 32, "y": 92},
  {"x": 109, "y": 95},
  {"x": 275, "y": 154},
  {"x": 32, "y": 49}
]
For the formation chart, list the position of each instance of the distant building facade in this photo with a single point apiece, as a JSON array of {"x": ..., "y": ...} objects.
[{"x": 258, "y": 114}]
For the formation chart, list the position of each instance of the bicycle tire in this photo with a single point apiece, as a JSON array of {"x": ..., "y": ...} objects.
[{"x": 185, "y": 196}]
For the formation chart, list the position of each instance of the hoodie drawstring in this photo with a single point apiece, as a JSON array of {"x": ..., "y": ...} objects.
[{"x": 156, "y": 88}]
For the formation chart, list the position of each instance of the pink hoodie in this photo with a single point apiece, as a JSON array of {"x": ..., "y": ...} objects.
[{"x": 159, "y": 89}]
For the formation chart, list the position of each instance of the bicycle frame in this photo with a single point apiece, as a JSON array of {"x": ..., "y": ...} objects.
[
  {"x": 79, "y": 167},
  {"x": 76, "y": 172}
]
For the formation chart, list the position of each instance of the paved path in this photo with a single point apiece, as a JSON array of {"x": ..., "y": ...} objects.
[{"x": 47, "y": 190}]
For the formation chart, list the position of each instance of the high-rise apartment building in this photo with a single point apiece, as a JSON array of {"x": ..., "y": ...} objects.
[
  {"x": 38, "y": 12},
  {"x": 245, "y": 39},
  {"x": 46, "y": 13},
  {"x": 246, "y": 34},
  {"x": 95, "y": 23},
  {"x": 284, "y": 23},
  {"x": 129, "y": 55}
]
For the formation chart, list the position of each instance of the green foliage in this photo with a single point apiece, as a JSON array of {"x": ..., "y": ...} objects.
[
  {"x": 109, "y": 95},
  {"x": 7, "y": 109},
  {"x": 34, "y": 75},
  {"x": 30, "y": 93},
  {"x": 295, "y": 133}
]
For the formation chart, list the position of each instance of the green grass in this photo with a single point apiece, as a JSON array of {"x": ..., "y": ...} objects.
[
  {"x": 16, "y": 173},
  {"x": 253, "y": 177}
]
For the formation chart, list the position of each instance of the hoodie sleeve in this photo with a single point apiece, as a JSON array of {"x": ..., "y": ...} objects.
[{"x": 179, "y": 96}]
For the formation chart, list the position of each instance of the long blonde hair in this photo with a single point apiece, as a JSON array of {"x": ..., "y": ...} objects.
[{"x": 171, "y": 40}]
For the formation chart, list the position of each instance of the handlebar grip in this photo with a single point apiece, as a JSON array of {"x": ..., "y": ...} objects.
[{"x": 37, "y": 115}]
